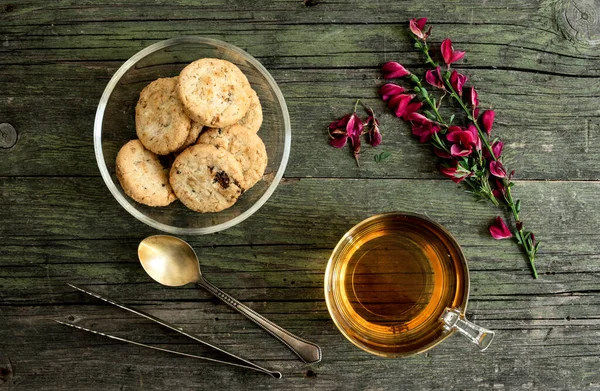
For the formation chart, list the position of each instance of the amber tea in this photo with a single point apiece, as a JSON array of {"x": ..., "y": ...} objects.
[{"x": 390, "y": 280}]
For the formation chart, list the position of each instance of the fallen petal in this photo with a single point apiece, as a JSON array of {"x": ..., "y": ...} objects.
[{"x": 499, "y": 230}]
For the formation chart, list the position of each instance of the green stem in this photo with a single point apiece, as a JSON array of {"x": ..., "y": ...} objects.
[
  {"x": 525, "y": 243},
  {"x": 428, "y": 60}
]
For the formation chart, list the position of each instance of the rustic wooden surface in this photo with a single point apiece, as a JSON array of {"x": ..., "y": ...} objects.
[{"x": 536, "y": 62}]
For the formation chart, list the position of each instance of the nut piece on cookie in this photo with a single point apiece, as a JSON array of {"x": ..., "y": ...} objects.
[
  {"x": 161, "y": 123},
  {"x": 207, "y": 179},
  {"x": 246, "y": 147},
  {"x": 254, "y": 116},
  {"x": 214, "y": 92},
  {"x": 142, "y": 176}
]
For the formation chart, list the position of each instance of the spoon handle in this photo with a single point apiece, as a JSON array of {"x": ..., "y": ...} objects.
[{"x": 307, "y": 351}]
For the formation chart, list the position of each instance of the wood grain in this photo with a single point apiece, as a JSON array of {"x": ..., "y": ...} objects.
[{"x": 60, "y": 224}]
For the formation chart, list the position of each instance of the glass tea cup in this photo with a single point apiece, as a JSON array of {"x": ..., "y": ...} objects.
[{"x": 397, "y": 284}]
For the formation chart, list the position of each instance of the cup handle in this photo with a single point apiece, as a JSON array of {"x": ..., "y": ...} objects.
[{"x": 453, "y": 319}]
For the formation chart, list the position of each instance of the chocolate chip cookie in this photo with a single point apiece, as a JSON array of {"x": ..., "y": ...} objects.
[
  {"x": 206, "y": 178},
  {"x": 246, "y": 147}
]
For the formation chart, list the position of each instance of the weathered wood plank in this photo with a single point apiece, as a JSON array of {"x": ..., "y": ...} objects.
[
  {"x": 559, "y": 212},
  {"x": 61, "y": 130}
]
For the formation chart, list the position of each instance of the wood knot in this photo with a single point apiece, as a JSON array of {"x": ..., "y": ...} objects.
[
  {"x": 8, "y": 135},
  {"x": 579, "y": 20},
  {"x": 6, "y": 372},
  {"x": 9, "y": 8}
]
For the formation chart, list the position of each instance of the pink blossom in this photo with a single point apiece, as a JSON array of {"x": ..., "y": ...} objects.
[
  {"x": 338, "y": 132},
  {"x": 389, "y": 90},
  {"x": 354, "y": 129},
  {"x": 393, "y": 70},
  {"x": 455, "y": 172},
  {"x": 424, "y": 130},
  {"x": 372, "y": 126},
  {"x": 443, "y": 154},
  {"x": 399, "y": 103},
  {"x": 496, "y": 148},
  {"x": 474, "y": 98},
  {"x": 499, "y": 230},
  {"x": 500, "y": 190},
  {"x": 417, "y": 117},
  {"x": 457, "y": 81},
  {"x": 434, "y": 77},
  {"x": 417, "y": 26},
  {"x": 450, "y": 56},
  {"x": 497, "y": 169},
  {"x": 411, "y": 108},
  {"x": 487, "y": 119},
  {"x": 463, "y": 140}
]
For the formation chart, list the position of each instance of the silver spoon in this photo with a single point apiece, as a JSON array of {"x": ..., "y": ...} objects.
[{"x": 171, "y": 261}]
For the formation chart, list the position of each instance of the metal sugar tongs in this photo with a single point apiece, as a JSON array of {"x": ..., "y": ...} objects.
[{"x": 250, "y": 365}]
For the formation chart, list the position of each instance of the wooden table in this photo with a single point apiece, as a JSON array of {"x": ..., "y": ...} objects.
[{"x": 535, "y": 62}]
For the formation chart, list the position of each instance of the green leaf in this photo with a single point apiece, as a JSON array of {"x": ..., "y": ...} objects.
[
  {"x": 414, "y": 79},
  {"x": 451, "y": 119},
  {"x": 537, "y": 245},
  {"x": 429, "y": 114},
  {"x": 382, "y": 156},
  {"x": 518, "y": 206},
  {"x": 417, "y": 89},
  {"x": 424, "y": 93},
  {"x": 418, "y": 45}
]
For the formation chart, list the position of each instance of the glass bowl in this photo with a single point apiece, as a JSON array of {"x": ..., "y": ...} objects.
[{"x": 115, "y": 125}]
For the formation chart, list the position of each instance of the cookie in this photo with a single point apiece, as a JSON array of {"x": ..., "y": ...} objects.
[
  {"x": 161, "y": 123},
  {"x": 214, "y": 92},
  {"x": 142, "y": 176},
  {"x": 254, "y": 116},
  {"x": 192, "y": 137},
  {"x": 246, "y": 147},
  {"x": 206, "y": 178}
]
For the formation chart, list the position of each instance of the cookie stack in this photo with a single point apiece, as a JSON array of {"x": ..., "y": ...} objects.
[{"x": 206, "y": 119}]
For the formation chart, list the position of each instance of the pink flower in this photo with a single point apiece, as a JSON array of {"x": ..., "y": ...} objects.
[
  {"x": 450, "y": 56},
  {"x": 496, "y": 148},
  {"x": 372, "y": 125},
  {"x": 500, "y": 190},
  {"x": 338, "y": 131},
  {"x": 499, "y": 230},
  {"x": 434, "y": 77},
  {"x": 474, "y": 98},
  {"x": 424, "y": 131},
  {"x": 487, "y": 119},
  {"x": 443, "y": 154},
  {"x": 354, "y": 129},
  {"x": 393, "y": 70},
  {"x": 389, "y": 90},
  {"x": 411, "y": 108},
  {"x": 417, "y": 26},
  {"x": 417, "y": 117},
  {"x": 458, "y": 81},
  {"x": 399, "y": 103},
  {"x": 464, "y": 140},
  {"x": 455, "y": 171},
  {"x": 497, "y": 169}
]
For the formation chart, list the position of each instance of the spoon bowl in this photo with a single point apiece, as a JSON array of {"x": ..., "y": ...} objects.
[{"x": 169, "y": 260}]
